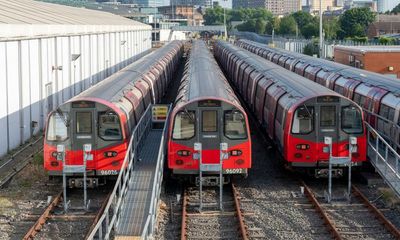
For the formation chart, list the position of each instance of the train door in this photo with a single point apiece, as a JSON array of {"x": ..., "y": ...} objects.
[
  {"x": 84, "y": 129},
  {"x": 209, "y": 134},
  {"x": 328, "y": 126}
]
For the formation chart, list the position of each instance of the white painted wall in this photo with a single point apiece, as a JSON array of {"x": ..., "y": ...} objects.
[{"x": 36, "y": 75}]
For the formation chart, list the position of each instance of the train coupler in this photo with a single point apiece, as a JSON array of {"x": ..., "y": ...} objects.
[
  {"x": 78, "y": 182},
  {"x": 211, "y": 181},
  {"x": 324, "y": 173}
]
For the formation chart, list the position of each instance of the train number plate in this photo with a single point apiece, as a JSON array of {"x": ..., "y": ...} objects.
[
  {"x": 235, "y": 171},
  {"x": 107, "y": 172}
]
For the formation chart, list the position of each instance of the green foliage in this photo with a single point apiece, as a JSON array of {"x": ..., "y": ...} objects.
[
  {"x": 214, "y": 16},
  {"x": 254, "y": 19},
  {"x": 331, "y": 28},
  {"x": 311, "y": 49},
  {"x": 386, "y": 40},
  {"x": 358, "y": 39},
  {"x": 396, "y": 10},
  {"x": 354, "y": 22},
  {"x": 310, "y": 30},
  {"x": 287, "y": 26}
]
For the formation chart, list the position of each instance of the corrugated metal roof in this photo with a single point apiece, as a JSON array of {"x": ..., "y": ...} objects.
[
  {"x": 27, "y": 18},
  {"x": 365, "y": 49}
]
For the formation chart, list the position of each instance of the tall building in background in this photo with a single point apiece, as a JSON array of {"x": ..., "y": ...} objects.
[
  {"x": 203, "y": 3},
  {"x": 383, "y": 5},
  {"x": 326, "y": 5},
  {"x": 145, "y": 3},
  {"x": 277, "y": 7}
]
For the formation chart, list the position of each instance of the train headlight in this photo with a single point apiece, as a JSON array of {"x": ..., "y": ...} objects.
[
  {"x": 235, "y": 152},
  {"x": 302, "y": 146},
  {"x": 179, "y": 162},
  {"x": 54, "y": 164},
  {"x": 298, "y": 155},
  {"x": 239, "y": 161},
  {"x": 54, "y": 154},
  {"x": 110, "y": 154},
  {"x": 184, "y": 153}
]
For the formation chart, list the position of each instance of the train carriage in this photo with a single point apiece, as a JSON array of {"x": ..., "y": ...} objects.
[
  {"x": 295, "y": 113},
  {"x": 105, "y": 115},
  {"x": 378, "y": 95},
  {"x": 207, "y": 111}
]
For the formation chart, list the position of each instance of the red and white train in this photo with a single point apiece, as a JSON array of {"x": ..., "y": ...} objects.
[
  {"x": 106, "y": 114},
  {"x": 294, "y": 112},
  {"x": 378, "y": 95},
  {"x": 208, "y": 112}
]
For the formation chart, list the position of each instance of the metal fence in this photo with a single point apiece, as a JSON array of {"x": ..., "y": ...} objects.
[
  {"x": 384, "y": 158},
  {"x": 156, "y": 191},
  {"x": 111, "y": 214}
]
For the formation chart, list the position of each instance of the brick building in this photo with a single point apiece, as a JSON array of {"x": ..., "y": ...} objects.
[
  {"x": 184, "y": 12},
  {"x": 379, "y": 59}
]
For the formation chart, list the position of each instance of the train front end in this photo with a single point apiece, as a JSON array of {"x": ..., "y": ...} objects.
[
  {"x": 79, "y": 124},
  {"x": 209, "y": 122},
  {"x": 311, "y": 121}
]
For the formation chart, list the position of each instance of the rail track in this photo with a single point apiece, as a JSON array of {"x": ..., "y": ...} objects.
[
  {"x": 212, "y": 223},
  {"x": 55, "y": 217},
  {"x": 19, "y": 160},
  {"x": 358, "y": 219}
]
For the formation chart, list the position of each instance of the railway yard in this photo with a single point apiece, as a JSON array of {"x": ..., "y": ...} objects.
[{"x": 205, "y": 141}]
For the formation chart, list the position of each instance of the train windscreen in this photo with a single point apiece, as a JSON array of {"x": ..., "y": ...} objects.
[
  {"x": 235, "y": 125},
  {"x": 184, "y": 125},
  {"x": 303, "y": 120},
  {"x": 57, "y": 129},
  {"x": 109, "y": 127},
  {"x": 351, "y": 120}
]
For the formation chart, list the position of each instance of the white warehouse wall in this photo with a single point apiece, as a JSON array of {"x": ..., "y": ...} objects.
[{"x": 36, "y": 75}]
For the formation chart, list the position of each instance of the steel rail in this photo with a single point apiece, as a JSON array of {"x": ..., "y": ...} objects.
[
  {"x": 379, "y": 215},
  {"x": 184, "y": 215},
  {"x": 98, "y": 215},
  {"x": 243, "y": 228},
  {"x": 320, "y": 210},
  {"x": 43, "y": 218}
]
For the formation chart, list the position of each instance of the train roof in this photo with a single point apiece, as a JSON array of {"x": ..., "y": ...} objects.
[
  {"x": 203, "y": 78},
  {"x": 112, "y": 88},
  {"x": 297, "y": 86},
  {"x": 367, "y": 77}
]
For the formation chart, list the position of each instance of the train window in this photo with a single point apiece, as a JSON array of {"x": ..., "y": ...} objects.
[
  {"x": 83, "y": 122},
  {"x": 357, "y": 98},
  {"x": 209, "y": 121},
  {"x": 328, "y": 116},
  {"x": 184, "y": 125},
  {"x": 362, "y": 101},
  {"x": 279, "y": 114},
  {"x": 303, "y": 121},
  {"x": 351, "y": 120},
  {"x": 384, "y": 111},
  {"x": 234, "y": 125},
  {"x": 109, "y": 127},
  {"x": 391, "y": 114},
  {"x": 57, "y": 129}
]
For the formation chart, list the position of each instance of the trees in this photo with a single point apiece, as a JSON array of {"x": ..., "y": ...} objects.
[
  {"x": 396, "y": 10},
  {"x": 354, "y": 22},
  {"x": 214, "y": 16},
  {"x": 287, "y": 26}
]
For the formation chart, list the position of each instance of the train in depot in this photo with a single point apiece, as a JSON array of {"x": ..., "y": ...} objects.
[
  {"x": 295, "y": 113},
  {"x": 378, "y": 95},
  {"x": 208, "y": 112},
  {"x": 105, "y": 115}
]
